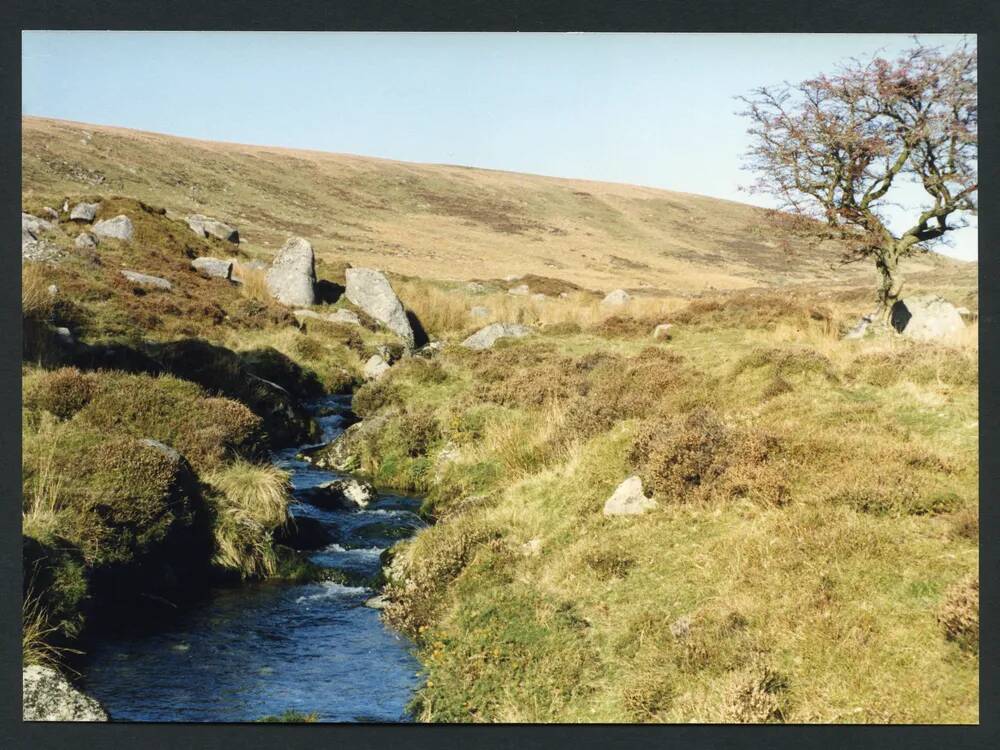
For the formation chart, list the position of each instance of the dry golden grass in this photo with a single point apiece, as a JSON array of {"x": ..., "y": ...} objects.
[
  {"x": 252, "y": 502},
  {"x": 35, "y": 298},
  {"x": 435, "y": 221},
  {"x": 254, "y": 283}
]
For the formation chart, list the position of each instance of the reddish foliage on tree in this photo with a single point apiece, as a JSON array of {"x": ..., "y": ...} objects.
[{"x": 838, "y": 148}]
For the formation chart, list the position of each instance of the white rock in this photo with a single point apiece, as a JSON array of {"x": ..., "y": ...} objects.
[
  {"x": 662, "y": 331},
  {"x": 617, "y": 297},
  {"x": 214, "y": 267},
  {"x": 34, "y": 225},
  {"x": 147, "y": 280},
  {"x": 486, "y": 337},
  {"x": 519, "y": 291},
  {"x": 375, "y": 367},
  {"x": 84, "y": 212},
  {"x": 292, "y": 276},
  {"x": 370, "y": 290},
  {"x": 85, "y": 240},
  {"x": 119, "y": 228},
  {"x": 539, "y": 297},
  {"x": 205, "y": 226},
  {"x": 48, "y": 696},
  {"x": 628, "y": 499},
  {"x": 926, "y": 318},
  {"x": 379, "y": 601},
  {"x": 480, "y": 312}
]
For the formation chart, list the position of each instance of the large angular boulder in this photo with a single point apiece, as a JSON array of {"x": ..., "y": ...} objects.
[
  {"x": 144, "y": 279},
  {"x": 628, "y": 499},
  {"x": 292, "y": 276},
  {"x": 119, "y": 228},
  {"x": 214, "y": 267},
  {"x": 926, "y": 318},
  {"x": 85, "y": 212},
  {"x": 370, "y": 290},
  {"x": 48, "y": 696},
  {"x": 205, "y": 226},
  {"x": 486, "y": 337},
  {"x": 34, "y": 225}
]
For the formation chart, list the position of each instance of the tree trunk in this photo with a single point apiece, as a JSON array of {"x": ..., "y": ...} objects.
[{"x": 891, "y": 284}]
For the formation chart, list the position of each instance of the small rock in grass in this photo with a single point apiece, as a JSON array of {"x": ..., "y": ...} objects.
[
  {"x": 488, "y": 336},
  {"x": 147, "y": 280},
  {"x": 214, "y": 267},
  {"x": 375, "y": 367},
  {"x": 662, "y": 331},
  {"x": 617, "y": 297},
  {"x": 85, "y": 212},
  {"x": 120, "y": 228},
  {"x": 628, "y": 499}
]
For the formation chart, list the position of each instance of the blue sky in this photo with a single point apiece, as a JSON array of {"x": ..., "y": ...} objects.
[{"x": 648, "y": 109}]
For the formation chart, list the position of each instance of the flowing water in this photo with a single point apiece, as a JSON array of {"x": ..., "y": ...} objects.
[{"x": 264, "y": 649}]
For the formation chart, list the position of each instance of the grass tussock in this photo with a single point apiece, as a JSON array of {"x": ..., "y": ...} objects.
[
  {"x": 250, "y": 503},
  {"x": 959, "y": 614}
]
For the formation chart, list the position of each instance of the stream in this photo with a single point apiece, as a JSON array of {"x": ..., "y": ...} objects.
[{"x": 261, "y": 649}]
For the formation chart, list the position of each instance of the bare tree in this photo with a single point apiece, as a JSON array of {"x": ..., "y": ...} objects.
[{"x": 838, "y": 149}]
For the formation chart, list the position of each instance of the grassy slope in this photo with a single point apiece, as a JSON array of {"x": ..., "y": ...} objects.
[
  {"x": 821, "y": 608},
  {"x": 836, "y": 590},
  {"x": 433, "y": 221}
]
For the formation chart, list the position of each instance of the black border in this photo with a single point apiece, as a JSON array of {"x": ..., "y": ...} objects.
[{"x": 854, "y": 16}]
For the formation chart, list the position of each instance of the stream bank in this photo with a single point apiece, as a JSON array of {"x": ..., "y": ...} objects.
[{"x": 265, "y": 649}]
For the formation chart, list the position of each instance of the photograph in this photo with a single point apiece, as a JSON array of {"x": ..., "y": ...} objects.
[{"x": 433, "y": 377}]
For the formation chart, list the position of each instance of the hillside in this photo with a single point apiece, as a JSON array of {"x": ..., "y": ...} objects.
[{"x": 438, "y": 221}]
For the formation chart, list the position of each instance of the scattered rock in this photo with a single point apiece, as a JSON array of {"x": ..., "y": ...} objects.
[
  {"x": 474, "y": 287},
  {"x": 926, "y": 318},
  {"x": 488, "y": 336},
  {"x": 344, "y": 316},
  {"x": 85, "y": 212},
  {"x": 514, "y": 277},
  {"x": 519, "y": 291},
  {"x": 662, "y": 331},
  {"x": 65, "y": 336},
  {"x": 617, "y": 297},
  {"x": 532, "y": 547},
  {"x": 681, "y": 627},
  {"x": 304, "y": 534},
  {"x": 967, "y": 314},
  {"x": 53, "y": 290},
  {"x": 34, "y": 225},
  {"x": 480, "y": 312},
  {"x": 147, "y": 280},
  {"x": 214, "y": 267},
  {"x": 51, "y": 213},
  {"x": 292, "y": 276},
  {"x": 33, "y": 247},
  {"x": 380, "y": 601},
  {"x": 48, "y": 696},
  {"x": 539, "y": 297},
  {"x": 370, "y": 290},
  {"x": 86, "y": 240},
  {"x": 340, "y": 494},
  {"x": 337, "y": 316},
  {"x": 628, "y": 499},
  {"x": 859, "y": 331},
  {"x": 375, "y": 367},
  {"x": 205, "y": 226},
  {"x": 344, "y": 452},
  {"x": 119, "y": 228}
]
